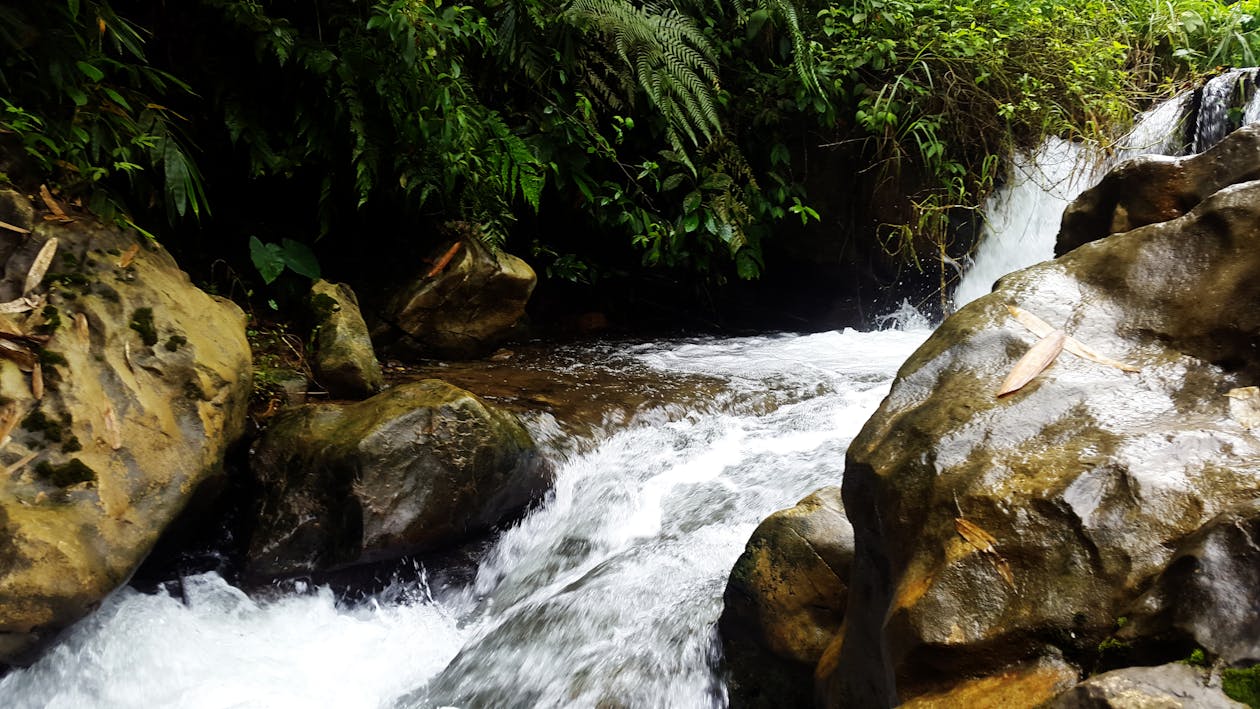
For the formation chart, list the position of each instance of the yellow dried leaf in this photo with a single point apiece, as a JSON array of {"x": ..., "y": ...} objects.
[
  {"x": 1034, "y": 362},
  {"x": 40, "y": 265},
  {"x": 112, "y": 432},
  {"x": 19, "y": 354},
  {"x": 10, "y": 227},
  {"x": 37, "y": 381},
  {"x": 9, "y": 417},
  {"x": 975, "y": 535},
  {"x": 81, "y": 327},
  {"x": 21, "y": 305},
  {"x": 1041, "y": 328},
  {"x": 128, "y": 256}
]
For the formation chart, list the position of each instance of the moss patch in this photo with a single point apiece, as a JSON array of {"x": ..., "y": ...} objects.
[
  {"x": 174, "y": 342},
  {"x": 52, "y": 321},
  {"x": 69, "y": 473},
  {"x": 49, "y": 358},
  {"x": 1242, "y": 685},
  {"x": 39, "y": 422},
  {"x": 323, "y": 306},
  {"x": 142, "y": 322}
]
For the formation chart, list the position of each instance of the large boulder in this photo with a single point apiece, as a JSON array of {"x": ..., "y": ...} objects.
[
  {"x": 345, "y": 362},
  {"x": 1155, "y": 188},
  {"x": 785, "y": 601},
  {"x": 145, "y": 382},
  {"x": 462, "y": 308},
  {"x": 992, "y": 531},
  {"x": 419, "y": 467}
]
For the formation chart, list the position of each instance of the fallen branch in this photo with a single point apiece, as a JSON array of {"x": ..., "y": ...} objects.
[{"x": 11, "y": 227}]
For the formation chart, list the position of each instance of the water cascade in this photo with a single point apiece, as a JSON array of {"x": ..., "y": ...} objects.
[
  {"x": 1022, "y": 218},
  {"x": 609, "y": 591}
]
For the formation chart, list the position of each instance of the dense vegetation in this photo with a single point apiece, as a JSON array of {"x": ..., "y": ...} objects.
[{"x": 683, "y": 129}]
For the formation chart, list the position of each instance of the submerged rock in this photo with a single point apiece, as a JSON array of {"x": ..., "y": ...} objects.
[
  {"x": 419, "y": 467},
  {"x": 466, "y": 308},
  {"x": 996, "y": 530},
  {"x": 785, "y": 601},
  {"x": 145, "y": 381},
  {"x": 345, "y": 362}
]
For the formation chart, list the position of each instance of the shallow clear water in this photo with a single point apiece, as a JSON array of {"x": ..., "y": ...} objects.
[{"x": 607, "y": 594}]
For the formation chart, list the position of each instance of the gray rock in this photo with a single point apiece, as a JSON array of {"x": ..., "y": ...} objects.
[
  {"x": 995, "y": 528},
  {"x": 345, "y": 362},
  {"x": 1209, "y": 594},
  {"x": 420, "y": 467},
  {"x": 1172, "y": 686},
  {"x": 464, "y": 311}
]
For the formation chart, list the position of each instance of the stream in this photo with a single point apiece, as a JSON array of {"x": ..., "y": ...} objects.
[{"x": 607, "y": 593}]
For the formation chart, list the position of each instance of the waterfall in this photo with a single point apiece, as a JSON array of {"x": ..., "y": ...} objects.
[{"x": 1021, "y": 220}]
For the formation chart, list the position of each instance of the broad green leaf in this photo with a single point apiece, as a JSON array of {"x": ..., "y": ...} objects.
[
  {"x": 267, "y": 258},
  {"x": 300, "y": 259},
  {"x": 90, "y": 71}
]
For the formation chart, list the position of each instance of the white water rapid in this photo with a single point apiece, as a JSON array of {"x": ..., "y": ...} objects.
[{"x": 606, "y": 595}]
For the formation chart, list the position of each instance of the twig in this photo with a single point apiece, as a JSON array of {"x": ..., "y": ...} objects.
[{"x": 446, "y": 258}]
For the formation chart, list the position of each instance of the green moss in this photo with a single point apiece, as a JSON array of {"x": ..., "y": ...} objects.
[
  {"x": 69, "y": 473},
  {"x": 1242, "y": 685},
  {"x": 108, "y": 293},
  {"x": 70, "y": 280},
  {"x": 48, "y": 358},
  {"x": 71, "y": 445},
  {"x": 174, "y": 342},
  {"x": 1198, "y": 658},
  {"x": 323, "y": 306},
  {"x": 39, "y": 422},
  {"x": 142, "y": 322},
  {"x": 52, "y": 321}
]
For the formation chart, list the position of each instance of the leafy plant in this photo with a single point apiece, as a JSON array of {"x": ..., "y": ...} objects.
[{"x": 272, "y": 259}]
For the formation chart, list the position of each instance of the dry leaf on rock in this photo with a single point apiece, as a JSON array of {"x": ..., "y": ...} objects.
[
  {"x": 113, "y": 433},
  {"x": 40, "y": 266},
  {"x": 1041, "y": 328},
  {"x": 1034, "y": 362},
  {"x": 986, "y": 544},
  {"x": 128, "y": 256}
]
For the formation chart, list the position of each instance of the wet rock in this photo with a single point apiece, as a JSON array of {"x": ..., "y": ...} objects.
[
  {"x": 988, "y": 529},
  {"x": 1154, "y": 188},
  {"x": 1209, "y": 594},
  {"x": 1171, "y": 686},
  {"x": 1022, "y": 685},
  {"x": 419, "y": 467},
  {"x": 785, "y": 601},
  {"x": 145, "y": 383},
  {"x": 466, "y": 310},
  {"x": 345, "y": 362}
]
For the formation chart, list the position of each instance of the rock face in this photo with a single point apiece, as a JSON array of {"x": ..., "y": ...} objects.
[
  {"x": 1209, "y": 594},
  {"x": 466, "y": 309},
  {"x": 345, "y": 362},
  {"x": 785, "y": 601},
  {"x": 1172, "y": 686},
  {"x": 419, "y": 467},
  {"x": 145, "y": 383},
  {"x": 1154, "y": 188},
  {"x": 991, "y": 531}
]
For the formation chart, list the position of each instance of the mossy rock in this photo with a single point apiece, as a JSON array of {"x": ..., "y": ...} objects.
[
  {"x": 124, "y": 436},
  {"x": 345, "y": 363},
  {"x": 420, "y": 467}
]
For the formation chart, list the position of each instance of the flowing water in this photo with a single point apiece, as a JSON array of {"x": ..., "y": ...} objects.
[{"x": 605, "y": 595}]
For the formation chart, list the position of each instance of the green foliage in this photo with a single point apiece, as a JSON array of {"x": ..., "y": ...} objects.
[
  {"x": 271, "y": 259},
  {"x": 88, "y": 107}
]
